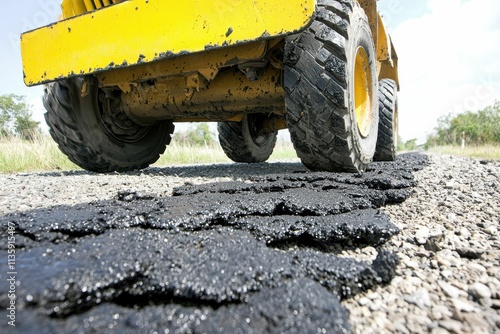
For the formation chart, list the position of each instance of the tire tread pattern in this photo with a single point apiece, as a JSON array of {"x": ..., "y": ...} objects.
[
  {"x": 315, "y": 85},
  {"x": 63, "y": 104},
  {"x": 387, "y": 134},
  {"x": 238, "y": 148}
]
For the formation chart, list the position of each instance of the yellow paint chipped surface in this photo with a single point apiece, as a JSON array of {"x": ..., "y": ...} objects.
[{"x": 139, "y": 31}]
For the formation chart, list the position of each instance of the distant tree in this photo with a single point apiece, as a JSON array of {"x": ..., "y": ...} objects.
[
  {"x": 480, "y": 127},
  {"x": 408, "y": 145},
  {"x": 16, "y": 117},
  {"x": 411, "y": 144},
  {"x": 198, "y": 135}
]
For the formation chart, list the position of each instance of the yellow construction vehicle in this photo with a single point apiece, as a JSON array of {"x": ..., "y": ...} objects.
[{"x": 119, "y": 73}]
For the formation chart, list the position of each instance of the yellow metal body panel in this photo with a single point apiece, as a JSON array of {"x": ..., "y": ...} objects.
[
  {"x": 141, "y": 31},
  {"x": 387, "y": 64},
  {"x": 386, "y": 54}
]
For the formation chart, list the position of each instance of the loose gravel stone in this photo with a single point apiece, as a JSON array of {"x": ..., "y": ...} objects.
[
  {"x": 480, "y": 291},
  {"x": 450, "y": 290},
  {"x": 454, "y": 213},
  {"x": 451, "y": 325}
]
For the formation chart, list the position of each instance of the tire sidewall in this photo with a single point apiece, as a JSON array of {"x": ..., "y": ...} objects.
[
  {"x": 361, "y": 36},
  {"x": 99, "y": 139}
]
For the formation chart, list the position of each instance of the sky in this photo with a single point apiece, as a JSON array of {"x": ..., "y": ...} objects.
[{"x": 449, "y": 56}]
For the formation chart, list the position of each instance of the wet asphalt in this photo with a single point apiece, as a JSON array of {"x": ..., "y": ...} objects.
[{"x": 259, "y": 256}]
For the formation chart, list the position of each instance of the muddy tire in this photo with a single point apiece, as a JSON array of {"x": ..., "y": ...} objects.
[
  {"x": 244, "y": 141},
  {"x": 387, "y": 141},
  {"x": 331, "y": 89},
  {"x": 89, "y": 129}
]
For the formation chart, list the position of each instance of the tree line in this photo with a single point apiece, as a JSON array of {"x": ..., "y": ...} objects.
[
  {"x": 198, "y": 134},
  {"x": 479, "y": 128}
]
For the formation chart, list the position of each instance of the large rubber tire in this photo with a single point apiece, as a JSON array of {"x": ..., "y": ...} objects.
[
  {"x": 91, "y": 131},
  {"x": 387, "y": 141},
  {"x": 244, "y": 142},
  {"x": 323, "y": 65}
]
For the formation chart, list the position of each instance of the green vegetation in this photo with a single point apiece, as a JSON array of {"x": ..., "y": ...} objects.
[
  {"x": 197, "y": 135},
  {"x": 479, "y": 128},
  {"x": 200, "y": 145},
  {"x": 480, "y": 131},
  {"x": 187, "y": 153},
  {"x": 283, "y": 150},
  {"x": 40, "y": 152},
  {"x": 24, "y": 148},
  {"x": 16, "y": 117},
  {"x": 409, "y": 145}
]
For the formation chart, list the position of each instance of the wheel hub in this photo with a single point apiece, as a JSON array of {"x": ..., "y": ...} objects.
[
  {"x": 257, "y": 132},
  {"x": 363, "y": 94},
  {"x": 116, "y": 122}
]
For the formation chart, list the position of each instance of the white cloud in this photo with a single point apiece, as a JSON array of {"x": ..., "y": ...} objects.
[{"x": 448, "y": 62}]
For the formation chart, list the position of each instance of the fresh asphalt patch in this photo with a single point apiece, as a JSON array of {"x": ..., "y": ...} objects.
[{"x": 252, "y": 256}]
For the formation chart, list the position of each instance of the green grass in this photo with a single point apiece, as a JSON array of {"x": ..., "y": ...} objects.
[
  {"x": 42, "y": 154},
  {"x": 180, "y": 154},
  {"x": 283, "y": 151},
  {"x": 490, "y": 152}
]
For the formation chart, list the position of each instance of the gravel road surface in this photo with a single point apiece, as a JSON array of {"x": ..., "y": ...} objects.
[{"x": 407, "y": 247}]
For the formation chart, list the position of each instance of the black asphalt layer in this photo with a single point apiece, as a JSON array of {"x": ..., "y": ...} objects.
[{"x": 257, "y": 256}]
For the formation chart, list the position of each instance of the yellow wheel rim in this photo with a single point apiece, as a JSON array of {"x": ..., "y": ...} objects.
[{"x": 363, "y": 92}]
